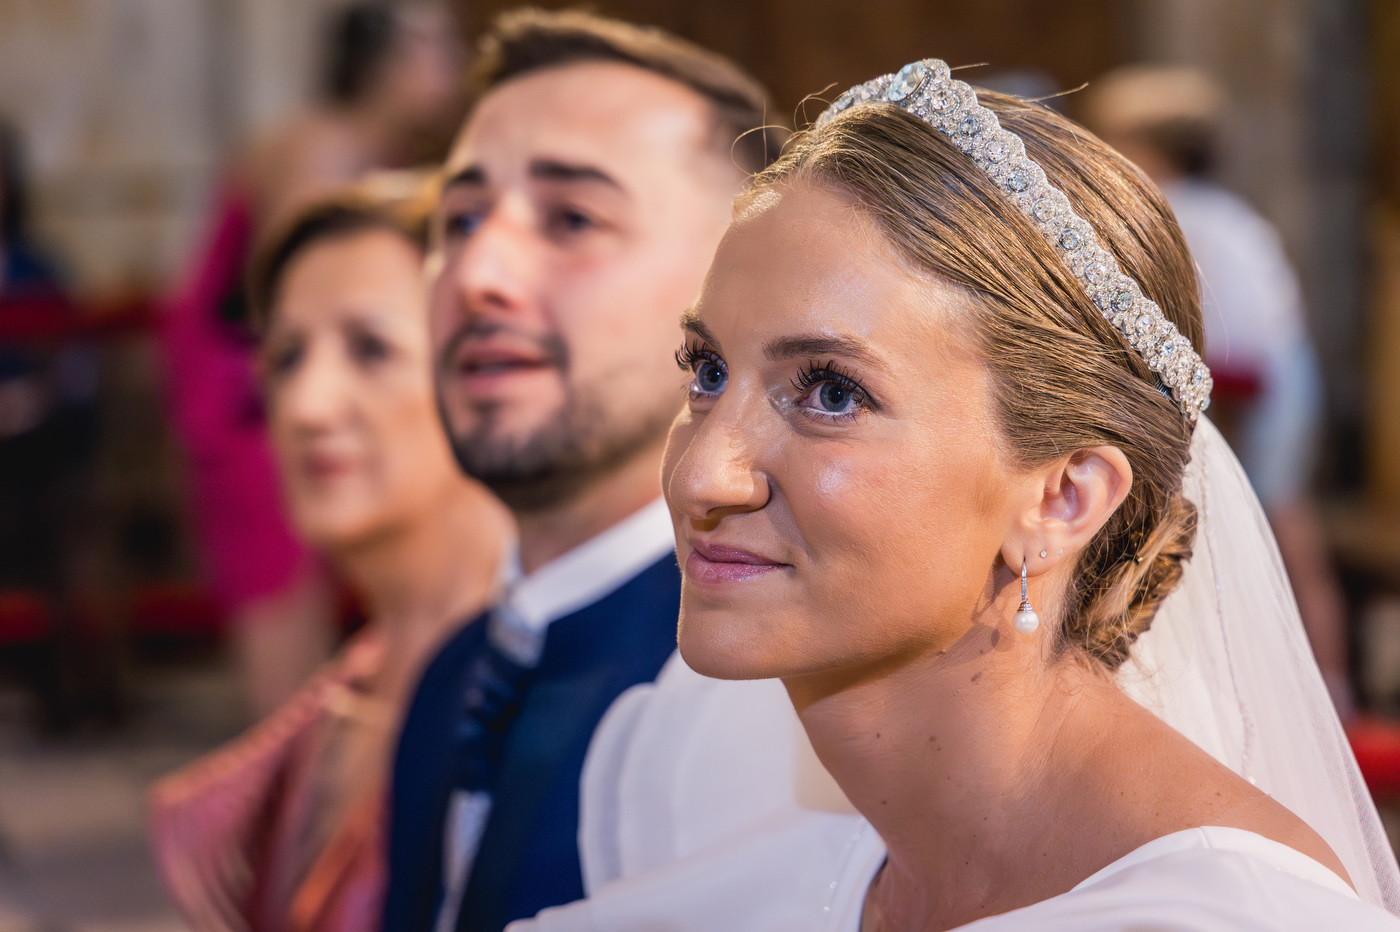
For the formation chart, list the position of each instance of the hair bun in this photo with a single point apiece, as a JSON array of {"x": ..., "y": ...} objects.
[{"x": 1119, "y": 593}]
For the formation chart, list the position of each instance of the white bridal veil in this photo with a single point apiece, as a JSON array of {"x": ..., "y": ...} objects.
[{"x": 1227, "y": 664}]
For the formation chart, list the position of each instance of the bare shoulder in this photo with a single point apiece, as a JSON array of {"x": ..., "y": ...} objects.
[
  {"x": 1198, "y": 791},
  {"x": 1260, "y": 813}
]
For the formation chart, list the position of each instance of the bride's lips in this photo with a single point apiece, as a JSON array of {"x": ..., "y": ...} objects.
[{"x": 715, "y": 564}]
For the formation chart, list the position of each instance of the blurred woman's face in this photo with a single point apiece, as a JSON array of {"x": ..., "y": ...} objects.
[
  {"x": 350, "y": 400},
  {"x": 838, "y": 497}
]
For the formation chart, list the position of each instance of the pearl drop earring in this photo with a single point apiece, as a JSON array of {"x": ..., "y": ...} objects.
[{"x": 1025, "y": 620}]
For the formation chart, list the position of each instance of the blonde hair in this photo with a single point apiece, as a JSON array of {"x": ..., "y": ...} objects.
[{"x": 1062, "y": 377}]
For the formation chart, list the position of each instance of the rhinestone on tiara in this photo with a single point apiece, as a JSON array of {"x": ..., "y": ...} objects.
[{"x": 927, "y": 90}]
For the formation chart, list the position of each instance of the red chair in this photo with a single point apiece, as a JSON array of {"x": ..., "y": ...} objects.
[
  {"x": 25, "y": 616},
  {"x": 1376, "y": 744}
]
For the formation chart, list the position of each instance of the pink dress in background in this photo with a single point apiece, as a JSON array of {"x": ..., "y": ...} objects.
[
  {"x": 217, "y": 410},
  {"x": 234, "y": 833}
]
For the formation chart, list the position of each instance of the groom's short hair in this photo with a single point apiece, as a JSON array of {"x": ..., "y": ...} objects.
[{"x": 527, "y": 40}]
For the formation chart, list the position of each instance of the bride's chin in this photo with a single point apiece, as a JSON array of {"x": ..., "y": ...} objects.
[{"x": 712, "y": 647}]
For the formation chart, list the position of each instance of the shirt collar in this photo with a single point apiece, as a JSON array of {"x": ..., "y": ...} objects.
[{"x": 590, "y": 571}]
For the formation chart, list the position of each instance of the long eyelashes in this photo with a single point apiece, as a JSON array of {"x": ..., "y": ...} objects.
[
  {"x": 691, "y": 355},
  {"x": 709, "y": 376},
  {"x": 829, "y": 372}
]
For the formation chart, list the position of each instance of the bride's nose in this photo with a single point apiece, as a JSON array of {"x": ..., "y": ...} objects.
[{"x": 712, "y": 463}]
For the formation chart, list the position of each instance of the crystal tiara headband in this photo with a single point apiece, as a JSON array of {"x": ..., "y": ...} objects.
[{"x": 926, "y": 90}]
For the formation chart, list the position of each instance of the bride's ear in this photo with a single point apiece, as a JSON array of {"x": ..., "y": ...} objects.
[{"x": 1078, "y": 494}]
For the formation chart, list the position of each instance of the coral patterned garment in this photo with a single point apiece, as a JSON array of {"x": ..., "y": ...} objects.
[{"x": 235, "y": 833}]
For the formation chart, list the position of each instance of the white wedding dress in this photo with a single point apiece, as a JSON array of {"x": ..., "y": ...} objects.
[{"x": 704, "y": 808}]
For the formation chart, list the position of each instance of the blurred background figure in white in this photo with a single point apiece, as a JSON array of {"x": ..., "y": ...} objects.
[{"x": 1268, "y": 399}]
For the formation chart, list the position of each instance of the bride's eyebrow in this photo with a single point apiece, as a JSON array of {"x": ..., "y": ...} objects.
[
  {"x": 690, "y": 320},
  {"x": 806, "y": 346}
]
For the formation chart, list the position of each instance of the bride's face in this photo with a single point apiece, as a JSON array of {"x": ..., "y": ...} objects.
[{"x": 838, "y": 497}]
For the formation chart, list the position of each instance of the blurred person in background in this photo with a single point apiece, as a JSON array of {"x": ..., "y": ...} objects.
[
  {"x": 284, "y": 828},
  {"x": 390, "y": 85},
  {"x": 25, "y": 272},
  {"x": 391, "y": 76},
  {"x": 584, "y": 199},
  {"x": 48, "y": 435},
  {"x": 1167, "y": 121}
]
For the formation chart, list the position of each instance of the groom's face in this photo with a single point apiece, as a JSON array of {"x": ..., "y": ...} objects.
[{"x": 582, "y": 207}]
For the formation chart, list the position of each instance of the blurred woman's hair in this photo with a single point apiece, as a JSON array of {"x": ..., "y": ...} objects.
[
  {"x": 396, "y": 202},
  {"x": 1062, "y": 378},
  {"x": 359, "y": 39}
]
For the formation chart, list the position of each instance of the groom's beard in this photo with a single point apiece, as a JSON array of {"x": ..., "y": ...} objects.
[{"x": 583, "y": 439}]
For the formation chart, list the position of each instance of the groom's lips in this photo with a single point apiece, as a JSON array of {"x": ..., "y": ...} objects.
[
  {"x": 717, "y": 564},
  {"x": 483, "y": 368}
]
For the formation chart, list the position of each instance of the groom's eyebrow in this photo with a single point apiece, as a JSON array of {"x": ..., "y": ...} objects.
[{"x": 808, "y": 346}]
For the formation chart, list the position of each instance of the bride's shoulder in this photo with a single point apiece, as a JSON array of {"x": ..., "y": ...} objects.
[
  {"x": 1189, "y": 789},
  {"x": 1264, "y": 816}
]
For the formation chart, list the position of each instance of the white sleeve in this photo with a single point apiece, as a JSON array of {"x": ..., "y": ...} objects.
[
  {"x": 682, "y": 764},
  {"x": 600, "y": 801}
]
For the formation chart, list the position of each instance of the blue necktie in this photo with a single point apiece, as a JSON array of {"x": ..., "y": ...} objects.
[{"x": 494, "y": 690}]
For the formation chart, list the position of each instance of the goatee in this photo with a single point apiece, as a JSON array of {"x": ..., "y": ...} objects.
[{"x": 557, "y": 461}]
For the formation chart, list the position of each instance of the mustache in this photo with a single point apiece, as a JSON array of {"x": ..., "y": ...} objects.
[{"x": 550, "y": 346}]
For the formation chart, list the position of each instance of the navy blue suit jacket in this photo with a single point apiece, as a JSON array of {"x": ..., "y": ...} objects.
[{"x": 528, "y": 858}]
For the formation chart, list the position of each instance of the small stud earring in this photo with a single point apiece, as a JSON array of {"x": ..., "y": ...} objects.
[
  {"x": 1043, "y": 554},
  {"x": 1025, "y": 620},
  {"x": 1062, "y": 551}
]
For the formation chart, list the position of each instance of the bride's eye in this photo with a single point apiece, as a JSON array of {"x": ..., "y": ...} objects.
[
  {"x": 831, "y": 393},
  {"x": 709, "y": 375},
  {"x": 833, "y": 398},
  {"x": 710, "y": 378}
]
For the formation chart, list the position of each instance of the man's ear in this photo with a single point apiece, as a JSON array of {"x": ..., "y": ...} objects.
[{"x": 1078, "y": 494}]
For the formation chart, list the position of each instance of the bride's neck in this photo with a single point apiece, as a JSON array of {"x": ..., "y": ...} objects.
[{"x": 964, "y": 761}]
